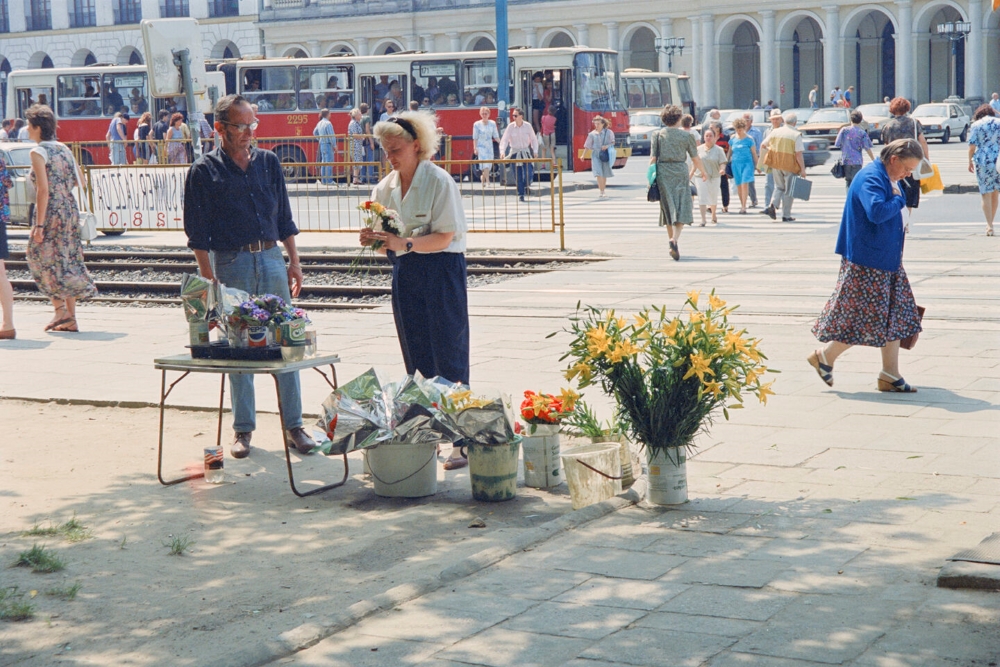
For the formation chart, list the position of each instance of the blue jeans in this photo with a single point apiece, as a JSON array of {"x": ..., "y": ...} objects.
[
  {"x": 258, "y": 273},
  {"x": 118, "y": 153},
  {"x": 326, "y": 155},
  {"x": 368, "y": 173},
  {"x": 524, "y": 172}
]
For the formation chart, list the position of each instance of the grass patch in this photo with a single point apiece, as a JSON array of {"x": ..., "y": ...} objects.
[
  {"x": 71, "y": 531},
  {"x": 66, "y": 592},
  {"x": 13, "y": 607},
  {"x": 179, "y": 545},
  {"x": 39, "y": 560}
]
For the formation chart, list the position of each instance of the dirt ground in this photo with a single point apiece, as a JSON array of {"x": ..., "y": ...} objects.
[{"x": 260, "y": 561}]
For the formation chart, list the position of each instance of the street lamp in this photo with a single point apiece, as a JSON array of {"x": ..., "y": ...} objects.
[
  {"x": 670, "y": 46},
  {"x": 955, "y": 31}
]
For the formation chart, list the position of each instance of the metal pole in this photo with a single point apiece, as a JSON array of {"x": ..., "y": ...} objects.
[
  {"x": 503, "y": 67},
  {"x": 182, "y": 59}
]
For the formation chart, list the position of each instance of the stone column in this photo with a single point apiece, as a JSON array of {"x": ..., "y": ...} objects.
[
  {"x": 456, "y": 41},
  {"x": 832, "y": 70},
  {"x": 582, "y": 34},
  {"x": 427, "y": 41},
  {"x": 151, "y": 9},
  {"x": 105, "y": 13},
  {"x": 363, "y": 48},
  {"x": 269, "y": 50},
  {"x": 530, "y": 37},
  {"x": 666, "y": 32},
  {"x": 198, "y": 9},
  {"x": 727, "y": 91},
  {"x": 768, "y": 61},
  {"x": 709, "y": 68},
  {"x": 313, "y": 45},
  {"x": 410, "y": 41},
  {"x": 904, "y": 51},
  {"x": 974, "y": 55},
  {"x": 696, "y": 60},
  {"x": 613, "y": 37},
  {"x": 59, "y": 12},
  {"x": 784, "y": 72}
]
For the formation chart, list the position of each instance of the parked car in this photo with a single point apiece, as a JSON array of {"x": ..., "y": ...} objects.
[
  {"x": 760, "y": 119},
  {"x": 723, "y": 115},
  {"x": 942, "y": 121},
  {"x": 826, "y": 123},
  {"x": 802, "y": 113},
  {"x": 640, "y": 131},
  {"x": 876, "y": 115},
  {"x": 815, "y": 151},
  {"x": 18, "y": 160}
]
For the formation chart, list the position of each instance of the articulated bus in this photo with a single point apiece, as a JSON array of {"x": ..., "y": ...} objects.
[
  {"x": 84, "y": 99},
  {"x": 650, "y": 91},
  {"x": 578, "y": 84}
]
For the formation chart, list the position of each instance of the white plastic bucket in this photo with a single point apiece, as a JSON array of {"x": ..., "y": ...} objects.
[
  {"x": 625, "y": 456},
  {"x": 540, "y": 451},
  {"x": 586, "y": 486},
  {"x": 667, "y": 477},
  {"x": 403, "y": 470}
]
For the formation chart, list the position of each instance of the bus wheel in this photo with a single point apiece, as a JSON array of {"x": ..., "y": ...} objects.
[
  {"x": 113, "y": 232},
  {"x": 289, "y": 156}
]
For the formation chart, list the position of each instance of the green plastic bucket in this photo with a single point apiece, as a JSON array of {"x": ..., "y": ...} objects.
[{"x": 493, "y": 471}]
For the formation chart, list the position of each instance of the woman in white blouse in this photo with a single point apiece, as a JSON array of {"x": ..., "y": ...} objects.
[{"x": 429, "y": 300}]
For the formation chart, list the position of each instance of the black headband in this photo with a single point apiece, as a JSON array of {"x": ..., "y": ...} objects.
[{"x": 405, "y": 124}]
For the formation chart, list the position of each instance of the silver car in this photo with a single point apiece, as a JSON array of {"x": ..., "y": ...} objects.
[
  {"x": 640, "y": 131},
  {"x": 943, "y": 121},
  {"x": 876, "y": 115},
  {"x": 16, "y": 156}
]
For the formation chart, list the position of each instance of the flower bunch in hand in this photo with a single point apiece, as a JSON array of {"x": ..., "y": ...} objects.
[{"x": 380, "y": 219}]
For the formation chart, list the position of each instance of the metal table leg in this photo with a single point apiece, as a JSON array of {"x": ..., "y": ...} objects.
[
  {"x": 284, "y": 439},
  {"x": 164, "y": 392}
]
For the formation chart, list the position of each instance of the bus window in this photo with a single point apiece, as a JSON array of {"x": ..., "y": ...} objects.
[
  {"x": 437, "y": 82},
  {"x": 636, "y": 98},
  {"x": 79, "y": 95},
  {"x": 132, "y": 87},
  {"x": 480, "y": 80},
  {"x": 687, "y": 99},
  {"x": 29, "y": 96},
  {"x": 652, "y": 87},
  {"x": 270, "y": 88},
  {"x": 112, "y": 100},
  {"x": 326, "y": 87},
  {"x": 597, "y": 83},
  {"x": 388, "y": 86}
]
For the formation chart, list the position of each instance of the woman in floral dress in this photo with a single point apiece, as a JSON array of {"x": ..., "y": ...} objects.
[
  {"x": 7, "y": 331},
  {"x": 984, "y": 146},
  {"x": 176, "y": 151},
  {"x": 669, "y": 150},
  {"x": 355, "y": 133},
  {"x": 55, "y": 253},
  {"x": 484, "y": 133},
  {"x": 851, "y": 140}
]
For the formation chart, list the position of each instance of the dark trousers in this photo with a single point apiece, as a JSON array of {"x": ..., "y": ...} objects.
[
  {"x": 431, "y": 309},
  {"x": 525, "y": 172},
  {"x": 724, "y": 190}
]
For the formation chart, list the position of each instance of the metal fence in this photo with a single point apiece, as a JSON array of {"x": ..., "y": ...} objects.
[{"x": 325, "y": 196}]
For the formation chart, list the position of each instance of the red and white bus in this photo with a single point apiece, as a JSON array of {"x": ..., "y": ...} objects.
[
  {"x": 85, "y": 99},
  {"x": 578, "y": 84}
]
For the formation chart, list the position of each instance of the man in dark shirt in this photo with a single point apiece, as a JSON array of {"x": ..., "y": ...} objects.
[
  {"x": 236, "y": 210},
  {"x": 160, "y": 133}
]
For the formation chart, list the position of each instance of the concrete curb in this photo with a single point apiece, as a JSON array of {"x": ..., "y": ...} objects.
[
  {"x": 960, "y": 189},
  {"x": 309, "y": 634},
  {"x": 975, "y": 576}
]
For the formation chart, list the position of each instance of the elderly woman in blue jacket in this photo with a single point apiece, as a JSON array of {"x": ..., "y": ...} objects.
[{"x": 872, "y": 303}]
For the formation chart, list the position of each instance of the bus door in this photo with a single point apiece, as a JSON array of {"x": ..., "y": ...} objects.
[
  {"x": 557, "y": 85},
  {"x": 375, "y": 88},
  {"x": 29, "y": 95}
]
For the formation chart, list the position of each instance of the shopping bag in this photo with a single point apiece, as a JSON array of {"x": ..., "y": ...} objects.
[
  {"x": 88, "y": 226},
  {"x": 908, "y": 342},
  {"x": 653, "y": 194},
  {"x": 800, "y": 188},
  {"x": 934, "y": 182}
]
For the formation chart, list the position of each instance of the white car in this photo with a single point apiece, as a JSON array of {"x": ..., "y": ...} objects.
[
  {"x": 943, "y": 121},
  {"x": 16, "y": 157}
]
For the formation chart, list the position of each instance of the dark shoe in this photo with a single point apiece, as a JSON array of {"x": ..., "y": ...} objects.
[
  {"x": 241, "y": 445},
  {"x": 521, "y": 197},
  {"x": 771, "y": 213},
  {"x": 783, "y": 219},
  {"x": 300, "y": 440},
  {"x": 674, "y": 252},
  {"x": 455, "y": 463}
]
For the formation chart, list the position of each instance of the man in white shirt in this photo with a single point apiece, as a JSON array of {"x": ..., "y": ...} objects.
[
  {"x": 522, "y": 142},
  {"x": 6, "y": 126},
  {"x": 814, "y": 97},
  {"x": 995, "y": 103},
  {"x": 836, "y": 96}
]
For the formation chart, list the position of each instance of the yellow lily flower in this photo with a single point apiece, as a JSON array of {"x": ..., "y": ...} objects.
[
  {"x": 693, "y": 297},
  {"x": 765, "y": 391},
  {"x": 715, "y": 303},
  {"x": 641, "y": 321},
  {"x": 670, "y": 330},
  {"x": 714, "y": 387},
  {"x": 569, "y": 399},
  {"x": 699, "y": 367}
]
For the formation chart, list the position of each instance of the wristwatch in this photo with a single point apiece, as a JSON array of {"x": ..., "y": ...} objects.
[{"x": 409, "y": 246}]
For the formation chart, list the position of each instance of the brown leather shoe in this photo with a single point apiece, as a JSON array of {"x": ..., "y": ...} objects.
[
  {"x": 241, "y": 445},
  {"x": 8, "y": 334},
  {"x": 300, "y": 440}
]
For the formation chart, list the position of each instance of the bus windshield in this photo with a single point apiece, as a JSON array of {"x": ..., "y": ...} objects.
[{"x": 597, "y": 83}]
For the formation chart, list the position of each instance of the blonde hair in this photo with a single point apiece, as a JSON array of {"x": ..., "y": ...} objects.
[
  {"x": 603, "y": 121},
  {"x": 425, "y": 131}
]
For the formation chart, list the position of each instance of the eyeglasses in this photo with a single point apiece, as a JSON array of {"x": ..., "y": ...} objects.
[
  {"x": 515, "y": 115},
  {"x": 242, "y": 127}
]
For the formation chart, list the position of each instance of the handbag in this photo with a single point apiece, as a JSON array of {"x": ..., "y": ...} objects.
[
  {"x": 924, "y": 168},
  {"x": 604, "y": 156},
  {"x": 908, "y": 342},
  {"x": 729, "y": 169},
  {"x": 800, "y": 188},
  {"x": 653, "y": 194},
  {"x": 838, "y": 169},
  {"x": 88, "y": 221}
]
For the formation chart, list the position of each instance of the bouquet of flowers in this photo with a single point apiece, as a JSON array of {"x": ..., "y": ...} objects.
[
  {"x": 378, "y": 218},
  {"x": 547, "y": 409},
  {"x": 471, "y": 419},
  {"x": 668, "y": 374}
]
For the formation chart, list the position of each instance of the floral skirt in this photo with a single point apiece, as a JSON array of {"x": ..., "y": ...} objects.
[{"x": 868, "y": 307}]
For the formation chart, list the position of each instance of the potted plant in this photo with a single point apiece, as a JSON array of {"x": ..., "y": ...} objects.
[
  {"x": 668, "y": 375},
  {"x": 542, "y": 415}
]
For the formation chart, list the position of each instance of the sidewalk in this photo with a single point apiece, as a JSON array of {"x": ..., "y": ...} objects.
[{"x": 816, "y": 527}]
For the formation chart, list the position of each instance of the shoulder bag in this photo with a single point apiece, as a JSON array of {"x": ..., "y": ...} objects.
[
  {"x": 925, "y": 169},
  {"x": 838, "y": 169},
  {"x": 88, "y": 221}
]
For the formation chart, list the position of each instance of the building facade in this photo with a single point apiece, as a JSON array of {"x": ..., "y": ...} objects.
[{"x": 735, "y": 53}]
